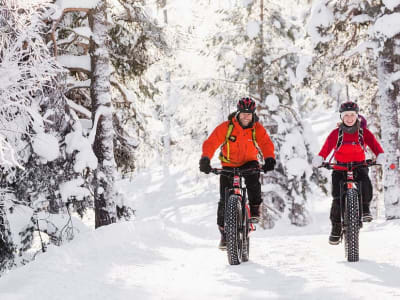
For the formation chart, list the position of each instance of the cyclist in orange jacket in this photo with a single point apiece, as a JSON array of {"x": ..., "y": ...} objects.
[{"x": 240, "y": 149}]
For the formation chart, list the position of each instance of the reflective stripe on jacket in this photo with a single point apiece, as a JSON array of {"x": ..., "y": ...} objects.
[{"x": 241, "y": 146}]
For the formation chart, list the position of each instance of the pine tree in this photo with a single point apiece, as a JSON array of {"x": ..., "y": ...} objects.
[{"x": 268, "y": 74}]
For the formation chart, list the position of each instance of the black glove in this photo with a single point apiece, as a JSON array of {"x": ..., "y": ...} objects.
[
  {"x": 205, "y": 165},
  {"x": 269, "y": 164}
]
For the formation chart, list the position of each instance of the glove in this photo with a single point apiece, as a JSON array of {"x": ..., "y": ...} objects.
[
  {"x": 380, "y": 159},
  {"x": 205, "y": 165},
  {"x": 269, "y": 164},
  {"x": 317, "y": 161}
]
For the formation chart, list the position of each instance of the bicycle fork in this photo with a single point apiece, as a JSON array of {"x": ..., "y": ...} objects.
[
  {"x": 241, "y": 193},
  {"x": 350, "y": 183}
]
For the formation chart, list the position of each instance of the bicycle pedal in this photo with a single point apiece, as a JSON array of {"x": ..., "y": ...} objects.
[{"x": 254, "y": 220}]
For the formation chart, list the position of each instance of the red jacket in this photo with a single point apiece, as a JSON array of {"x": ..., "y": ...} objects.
[
  {"x": 242, "y": 150},
  {"x": 350, "y": 150}
]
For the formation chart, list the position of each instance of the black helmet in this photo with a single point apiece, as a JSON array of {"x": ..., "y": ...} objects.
[
  {"x": 246, "y": 105},
  {"x": 349, "y": 106}
]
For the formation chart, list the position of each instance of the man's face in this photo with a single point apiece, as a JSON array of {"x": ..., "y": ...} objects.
[
  {"x": 245, "y": 118},
  {"x": 349, "y": 118}
]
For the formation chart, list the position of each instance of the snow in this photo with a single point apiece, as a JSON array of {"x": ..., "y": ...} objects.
[
  {"x": 77, "y": 3},
  {"x": 361, "y": 19},
  {"x": 75, "y": 141},
  {"x": 253, "y": 28},
  {"x": 170, "y": 252},
  {"x": 391, "y": 4},
  {"x": 73, "y": 188},
  {"x": 246, "y": 3},
  {"x": 301, "y": 70},
  {"x": 388, "y": 25},
  {"x": 321, "y": 17},
  {"x": 75, "y": 61},
  {"x": 46, "y": 147},
  {"x": 83, "y": 31},
  {"x": 240, "y": 62},
  {"x": 272, "y": 102}
]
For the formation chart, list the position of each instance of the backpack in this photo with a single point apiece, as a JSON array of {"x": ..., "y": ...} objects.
[
  {"x": 339, "y": 142},
  {"x": 228, "y": 138}
]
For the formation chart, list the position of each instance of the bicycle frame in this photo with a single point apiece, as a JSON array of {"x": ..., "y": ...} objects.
[
  {"x": 237, "y": 224},
  {"x": 350, "y": 182},
  {"x": 237, "y": 187},
  {"x": 350, "y": 207}
]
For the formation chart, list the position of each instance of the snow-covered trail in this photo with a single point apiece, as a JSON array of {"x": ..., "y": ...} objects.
[{"x": 170, "y": 252}]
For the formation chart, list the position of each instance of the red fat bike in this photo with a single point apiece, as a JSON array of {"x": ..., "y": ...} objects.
[{"x": 237, "y": 224}]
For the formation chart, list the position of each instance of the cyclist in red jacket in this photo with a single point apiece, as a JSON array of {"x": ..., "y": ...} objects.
[{"x": 348, "y": 142}]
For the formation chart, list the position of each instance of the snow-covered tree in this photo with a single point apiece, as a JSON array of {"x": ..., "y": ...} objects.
[
  {"x": 27, "y": 72},
  {"x": 258, "y": 55},
  {"x": 100, "y": 92}
]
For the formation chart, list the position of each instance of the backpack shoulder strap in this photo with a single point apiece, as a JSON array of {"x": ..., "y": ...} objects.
[
  {"x": 340, "y": 139},
  {"x": 226, "y": 142},
  {"x": 361, "y": 137},
  {"x": 253, "y": 135}
]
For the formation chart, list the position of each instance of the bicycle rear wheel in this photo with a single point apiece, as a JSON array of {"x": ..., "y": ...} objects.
[
  {"x": 352, "y": 226},
  {"x": 233, "y": 230},
  {"x": 245, "y": 237}
]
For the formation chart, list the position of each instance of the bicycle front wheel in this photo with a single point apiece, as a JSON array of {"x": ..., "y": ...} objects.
[
  {"x": 352, "y": 226},
  {"x": 245, "y": 236},
  {"x": 234, "y": 230}
]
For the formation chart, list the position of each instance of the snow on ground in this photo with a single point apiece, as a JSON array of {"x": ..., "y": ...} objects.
[{"x": 170, "y": 252}]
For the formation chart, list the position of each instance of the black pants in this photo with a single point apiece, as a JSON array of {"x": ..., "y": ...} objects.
[
  {"x": 253, "y": 186},
  {"x": 338, "y": 177}
]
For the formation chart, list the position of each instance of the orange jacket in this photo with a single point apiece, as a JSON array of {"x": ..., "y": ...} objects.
[{"x": 242, "y": 150}]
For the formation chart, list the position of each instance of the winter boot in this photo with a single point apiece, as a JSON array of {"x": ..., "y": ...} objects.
[
  {"x": 336, "y": 234},
  {"x": 366, "y": 216},
  {"x": 254, "y": 214},
  {"x": 222, "y": 242}
]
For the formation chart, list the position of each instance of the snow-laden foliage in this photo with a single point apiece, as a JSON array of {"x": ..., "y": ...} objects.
[
  {"x": 247, "y": 65},
  {"x": 38, "y": 128},
  {"x": 25, "y": 72},
  {"x": 135, "y": 42}
]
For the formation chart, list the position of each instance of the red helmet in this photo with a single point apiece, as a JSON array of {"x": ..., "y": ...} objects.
[
  {"x": 349, "y": 106},
  {"x": 246, "y": 105}
]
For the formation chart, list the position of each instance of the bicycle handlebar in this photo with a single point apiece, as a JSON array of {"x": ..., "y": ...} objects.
[
  {"x": 236, "y": 171},
  {"x": 350, "y": 165}
]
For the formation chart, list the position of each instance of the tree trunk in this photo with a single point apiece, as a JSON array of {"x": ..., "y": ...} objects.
[
  {"x": 388, "y": 94},
  {"x": 6, "y": 244},
  {"x": 100, "y": 91}
]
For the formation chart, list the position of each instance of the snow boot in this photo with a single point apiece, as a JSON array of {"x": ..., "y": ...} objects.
[
  {"x": 255, "y": 214},
  {"x": 222, "y": 242},
  {"x": 366, "y": 216},
  {"x": 336, "y": 234}
]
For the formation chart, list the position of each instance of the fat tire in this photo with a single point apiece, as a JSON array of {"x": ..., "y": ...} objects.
[
  {"x": 352, "y": 226},
  {"x": 233, "y": 230},
  {"x": 246, "y": 238}
]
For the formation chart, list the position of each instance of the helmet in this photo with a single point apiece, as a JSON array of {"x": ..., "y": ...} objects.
[
  {"x": 246, "y": 105},
  {"x": 348, "y": 106}
]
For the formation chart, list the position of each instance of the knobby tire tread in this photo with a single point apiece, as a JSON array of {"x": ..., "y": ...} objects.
[
  {"x": 233, "y": 215},
  {"x": 352, "y": 221}
]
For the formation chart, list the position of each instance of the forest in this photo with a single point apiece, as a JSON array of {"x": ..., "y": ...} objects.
[{"x": 93, "y": 92}]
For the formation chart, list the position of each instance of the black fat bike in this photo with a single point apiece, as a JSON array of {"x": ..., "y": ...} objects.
[
  {"x": 237, "y": 224},
  {"x": 350, "y": 208}
]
